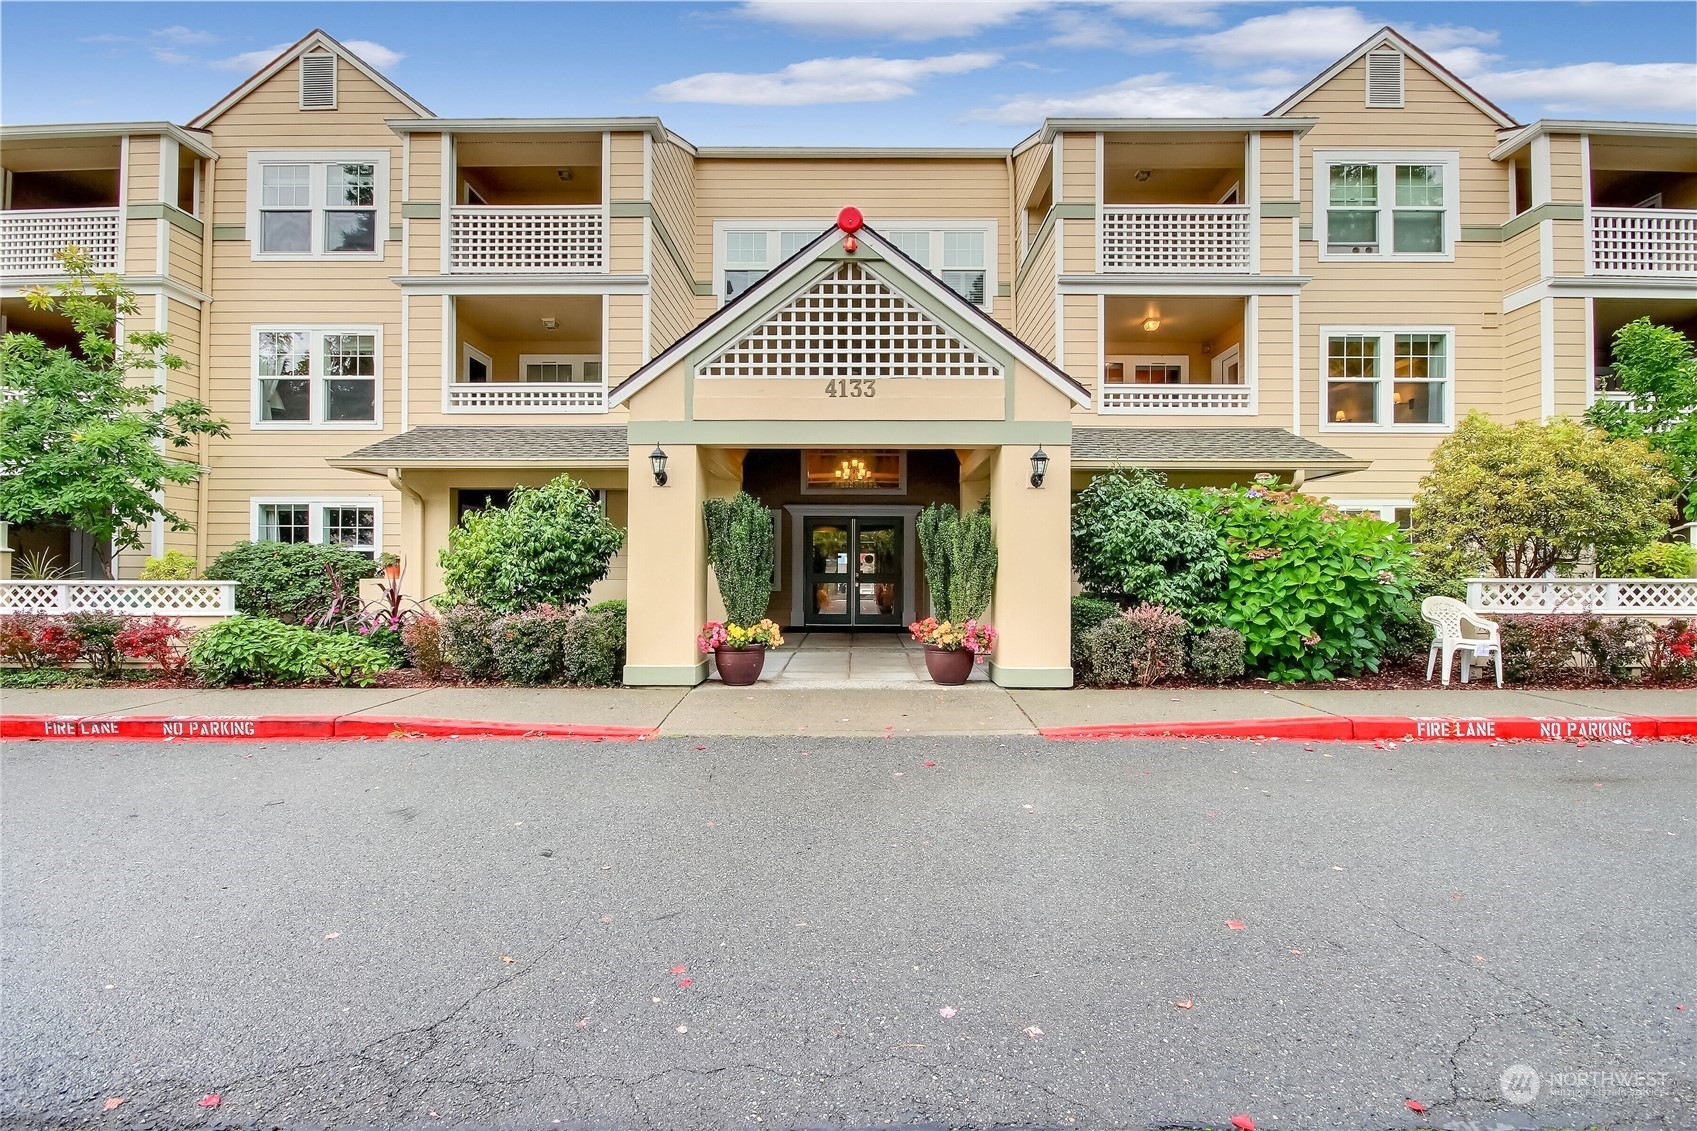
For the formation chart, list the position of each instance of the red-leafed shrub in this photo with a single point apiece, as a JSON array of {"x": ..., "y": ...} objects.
[
  {"x": 56, "y": 643},
  {"x": 17, "y": 639},
  {"x": 162, "y": 642},
  {"x": 422, "y": 636},
  {"x": 1673, "y": 651}
]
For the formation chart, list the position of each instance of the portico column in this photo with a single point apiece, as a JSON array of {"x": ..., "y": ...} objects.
[
  {"x": 1032, "y": 606},
  {"x": 667, "y": 584}
]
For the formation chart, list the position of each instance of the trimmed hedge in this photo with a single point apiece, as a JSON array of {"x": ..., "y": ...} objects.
[{"x": 290, "y": 581}]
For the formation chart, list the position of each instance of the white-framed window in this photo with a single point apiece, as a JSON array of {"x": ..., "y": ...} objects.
[
  {"x": 1379, "y": 378},
  {"x": 318, "y": 204},
  {"x": 476, "y": 367},
  {"x": 959, "y": 252},
  {"x": 560, "y": 368},
  {"x": 317, "y": 377},
  {"x": 1147, "y": 369},
  {"x": 356, "y": 523},
  {"x": 1399, "y": 511},
  {"x": 1387, "y": 204}
]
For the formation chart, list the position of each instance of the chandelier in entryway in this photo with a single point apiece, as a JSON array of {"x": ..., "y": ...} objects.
[{"x": 852, "y": 471}]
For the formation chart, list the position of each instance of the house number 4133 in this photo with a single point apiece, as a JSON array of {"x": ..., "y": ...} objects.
[{"x": 851, "y": 387}]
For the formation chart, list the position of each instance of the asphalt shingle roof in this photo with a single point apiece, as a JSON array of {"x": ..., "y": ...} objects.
[
  {"x": 1169, "y": 446},
  {"x": 436, "y": 443}
]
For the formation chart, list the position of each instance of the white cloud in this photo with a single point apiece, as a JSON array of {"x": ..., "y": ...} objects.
[
  {"x": 1317, "y": 33},
  {"x": 1465, "y": 61},
  {"x": 1174, "y": 13},
  {"x": 1143, "y": 96},
  {"x": 911, "y": 19},
  {"x": 251, "y": 60},
  {"x": 1583, "y": 86},
  {"x": 372, "y": 52},
  {"x": 185, "y": 36},
  {"x": 860, "y": 79}
]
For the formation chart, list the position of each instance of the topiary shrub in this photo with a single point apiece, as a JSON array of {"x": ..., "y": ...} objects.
[
  {"x": 1135, "y": 538},
  {"x": 1140, "y": 646},
  {"x": 529, "y": 646},
  {"x": 466, "y": 640},
  {"x": 547, "y": 546},
  {"x": 1540, "y": 648},
  {"x": 1087, "y": 613},
  {"x": 259, "y": 650},
  {"x": 960, "y": 560},
  {"x": 290, "y": 581},
  {"x": 739, "y": 550},
  {"x": 1216, "y": 654},
  {"x": 594, "y": 652},
  {"x": 421, "y": 635},
  {"x": 173, "y": 566}
]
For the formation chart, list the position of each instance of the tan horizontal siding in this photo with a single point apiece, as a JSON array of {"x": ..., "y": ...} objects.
[
  {"x": 1078, "y": 244},
  {"x": 141, "y": 175},
  {"x": 1521, "y": 260},
  {"x": 1277, "y": 167},
  {"x": 1277, "y": 233},
  {"x": 1028, "y": 167},
  {"x": 1572, "y": 366},
  {"x": 184, "y": 252},
  {"x": 624, "y": 173},
  {"x": 141, "y": 247},
  {"x": 624, "y": 336},
  {"x": 1567, "y": 174},
  {"x": 1034, "y": 313},
  {"x": 1078, "y": 168},
  {"x": 424, "y": 178},
  {"x": 425, "y": 256},
  {"x": 1567, "y": 246},
  {"x": 625, "y": 244}
]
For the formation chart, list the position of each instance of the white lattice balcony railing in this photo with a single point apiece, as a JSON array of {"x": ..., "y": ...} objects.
[
  {"x": 1176, "y": 237},
  {"x": 1173, "y": 398},
  {"x": 31, "y": 237},
  {"x": 1644, "y": 241},
  {"x": 535, "y": 239},
  {"x": 527, "y": 396},
  {"x": 1618, "y": 596},
  {"x": 131, "y": 598}
]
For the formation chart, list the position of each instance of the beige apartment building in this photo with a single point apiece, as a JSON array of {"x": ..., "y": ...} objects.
[{"x": 403, "y": 315}]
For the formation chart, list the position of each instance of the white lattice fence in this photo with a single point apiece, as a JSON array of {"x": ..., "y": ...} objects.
[
  {"x": 1644, "y": 241},
  {"x": 1606, "y": 596},
  {"x": 131, "y": 598},
  {"x": 1176, "y": 238},
  {"x": 1182, "y": 398},
  {"x": 30, "y": 237},
  {"x": 525, "y": 397},
  {"x": 850, "y": 324},
  {"x": 500, "y": 240}
]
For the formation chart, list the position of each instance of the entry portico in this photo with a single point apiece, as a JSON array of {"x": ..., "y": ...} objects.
[{"x": 847, "y": 389}]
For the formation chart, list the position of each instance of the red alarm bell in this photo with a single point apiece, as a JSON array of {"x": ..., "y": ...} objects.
[{"x": 850, "y": 220}]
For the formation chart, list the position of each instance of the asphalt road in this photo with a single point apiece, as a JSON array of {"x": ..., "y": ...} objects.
[{"x": 831, "y": 932}]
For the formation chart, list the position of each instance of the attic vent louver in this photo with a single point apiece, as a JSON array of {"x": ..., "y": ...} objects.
[
  {"x": 1384, "y": 80},
  {"x": 318, "y": 81}
]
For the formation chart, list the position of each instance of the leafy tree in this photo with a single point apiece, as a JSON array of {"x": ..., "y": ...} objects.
[
  {"x": 1521, "y": 499},
  {"x": 547, "y": 546},
  {"x": 1656, "y": 368},
  {"x": 291, "y": 581},
  {"x": 82, "y": 444},
  {"x": 1135, "y": 538},
  {"x": 739, "y": 548},
  {"x": 960, "y": 560}
]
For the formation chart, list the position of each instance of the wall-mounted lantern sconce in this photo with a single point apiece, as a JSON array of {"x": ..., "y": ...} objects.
[
  {"x": 657, "y": 461},
  {"x": 1039, "y": 466}
]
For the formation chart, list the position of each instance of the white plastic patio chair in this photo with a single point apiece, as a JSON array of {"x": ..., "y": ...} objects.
[{"x": 1458, "y": 630}]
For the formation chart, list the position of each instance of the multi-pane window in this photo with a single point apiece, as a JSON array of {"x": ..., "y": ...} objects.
[
  {"x": 963, "y": 264},
  {"x": 1389, "y": 208},
  {"x": 338, "y": 522},
  {"x": 312, "y": 376},
  {"x": 1377, "y": 379},
  {"x": 961, "y": 256},
  {"x": 313, "y": 207},
  {"x": 749, "y": 255},
  {"x": 560, "y": 368}
]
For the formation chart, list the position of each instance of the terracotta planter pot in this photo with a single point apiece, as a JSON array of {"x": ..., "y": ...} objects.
[
  {"x": 392, "y": 572},
  {"x": 948, "y": 668},
  {"x": 740, "y": 667}
]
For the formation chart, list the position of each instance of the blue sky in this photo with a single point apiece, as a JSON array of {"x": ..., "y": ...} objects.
[{"x": 844, "y": 72}]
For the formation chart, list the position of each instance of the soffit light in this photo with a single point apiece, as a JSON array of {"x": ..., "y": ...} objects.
[{"x": 1151, "y": 324}]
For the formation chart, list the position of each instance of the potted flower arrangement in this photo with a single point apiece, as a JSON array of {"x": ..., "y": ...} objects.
[
  {"x": 951, "y": 649},
  {"x": 391, "y": 566},
  {"x": 960, "y": 572},
  {"x": 739, "y": 548}
]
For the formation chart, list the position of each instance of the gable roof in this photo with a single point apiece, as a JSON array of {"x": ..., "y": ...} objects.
[
  {"x": 1389, "y": 37},
  {"x": 315, "y": 40},
  {"x": 778, "y": 280}
]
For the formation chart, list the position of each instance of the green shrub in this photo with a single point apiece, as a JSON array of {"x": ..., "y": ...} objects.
[
  {"x": 1087, "y": 613},
  {"x": 547, "y": 546},
  {"x": 1216, "y": 654},
  {"x": 530, "y": 646},
  {"x": 1540, "y": 648},
  {"x": 1310, "y": 589},
  {"x": 1658, "y": 559},
  {"x": 466, "y": 640},
  {"x": 1135, "y": 538},
  {"x": 291, "y": 581},
  {"x": 960, "y": 560},
  {"x": 594, "y": 653},
  {"x": 173, "y": 566},
  {"x": 1408, "y": 635},
  {"x": 260, "y": 650},
  {"x": 739, "y": 550},
  {"x": 422, "y": 637},
  {"x": 97, "y": 640},
  {"x": 1615, "y": 648},
  {"x": 1141, "y": 646}
]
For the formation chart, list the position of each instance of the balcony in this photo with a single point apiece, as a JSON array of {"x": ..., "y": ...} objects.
[
  {"x": 1644, "y": 241},
  {"x": 1174, "y": 398},
  {"x": 1174, "y": 355},
  {"x": 486, "y": 239},
  {"x": 1179, "y": 238},
  {"x": 30, "y": 238},
  {"x": 527, "y": 354}
]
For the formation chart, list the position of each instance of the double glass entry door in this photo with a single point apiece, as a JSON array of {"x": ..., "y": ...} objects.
[{"x": 854, "y": 571}]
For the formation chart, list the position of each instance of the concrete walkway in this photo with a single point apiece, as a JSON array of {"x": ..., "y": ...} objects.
[
  {"x": 825, "y": 708},
  {"x": 851, "y": 661}
]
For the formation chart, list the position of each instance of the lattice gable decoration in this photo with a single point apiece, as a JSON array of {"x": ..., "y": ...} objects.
[{"x": 850, "y": 323}]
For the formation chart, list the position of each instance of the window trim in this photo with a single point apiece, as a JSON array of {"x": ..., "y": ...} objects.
[
  {"x": 318, "y": 160},
  {"x": 317, "y": 423},
  {"x": 528, "y": 359},
  {"x": 1386, "y": 508},
  {"x": 315, "y": 523},
  {"x": 989, "y": 226},
  {"x": 1385, "y": 410},
  {"x": 1449, "y": 159},
  {"x": 1133, "y": 360}
]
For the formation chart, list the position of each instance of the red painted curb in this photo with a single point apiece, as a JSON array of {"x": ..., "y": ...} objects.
[
  {"x": 1403, "y": 728},
  {"x": 253, "y": 727}
]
